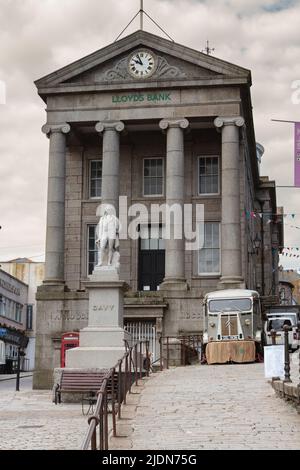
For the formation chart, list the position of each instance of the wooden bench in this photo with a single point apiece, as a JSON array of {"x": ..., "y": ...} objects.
[{"x": 84, "y": 383}]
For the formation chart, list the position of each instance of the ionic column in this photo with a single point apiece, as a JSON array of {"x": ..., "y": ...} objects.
[
  {"x": 55, "y": 235},
  {"x": 175, "y": 264},
  {"x": 231, "y": 259},
  {"x": 110, "y": 161}
]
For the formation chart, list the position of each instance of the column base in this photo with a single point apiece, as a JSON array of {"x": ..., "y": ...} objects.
[
  {"x": 231, "y": 282},
  {"x": 174, "y": 284},
  {"x": 50, "y": 288},
  {"x": 54, "y": 282}
]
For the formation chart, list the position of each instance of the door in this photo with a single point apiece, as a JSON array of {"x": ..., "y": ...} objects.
[{"x": 151, "y": 258}]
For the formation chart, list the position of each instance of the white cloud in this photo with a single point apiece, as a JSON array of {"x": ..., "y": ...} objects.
[{"x": 40, "y": 36}]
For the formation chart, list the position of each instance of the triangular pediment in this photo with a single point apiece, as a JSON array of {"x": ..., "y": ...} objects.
[
  {"x": 168, "y": 68},
  {"x": 174, "y": 62}
]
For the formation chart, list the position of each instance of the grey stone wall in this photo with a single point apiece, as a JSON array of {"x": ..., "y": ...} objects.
[{"x": 58, "y": 312}]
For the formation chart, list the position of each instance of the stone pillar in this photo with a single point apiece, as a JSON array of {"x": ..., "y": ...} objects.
[
  {"x": 231, "y": 262},
  {"x": 55, "y": 235},
  {"x": 175, "y": 259},
  {"x": 110, "y": 161}
]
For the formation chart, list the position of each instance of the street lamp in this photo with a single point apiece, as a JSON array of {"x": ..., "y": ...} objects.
[{"x": 257, "y": 243}]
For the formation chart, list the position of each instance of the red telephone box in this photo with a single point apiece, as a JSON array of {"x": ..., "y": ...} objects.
[{"x": 68, "y": 341}]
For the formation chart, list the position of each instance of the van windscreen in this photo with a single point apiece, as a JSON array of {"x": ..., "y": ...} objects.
[{"x": 230, "y": 305}]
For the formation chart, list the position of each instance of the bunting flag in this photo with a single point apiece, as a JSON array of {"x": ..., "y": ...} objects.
[
  {"x": 297, "y": 155},
  {"x": 290, "y": 255},
  {"x": 290, "y": 248},
  {"x": 269, "y": 215}
]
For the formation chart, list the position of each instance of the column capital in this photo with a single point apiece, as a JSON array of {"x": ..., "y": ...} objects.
[
  {"x": 117, "y": 126},
  {"x": 221, "y": 121},
  {"x": 169, "y": 123},
  {"x": 48, "y": 129}
]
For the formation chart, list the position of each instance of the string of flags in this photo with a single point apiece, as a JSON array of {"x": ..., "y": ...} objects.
[
  {"x": 287, "y": 251},
  {"x": 259, "y": 215},
  {"x": 290, "y": 255},
  {"x": 269, "y": 214},
  {"x": 289, "y": 271},
  {"x": 291, "y": 248}
]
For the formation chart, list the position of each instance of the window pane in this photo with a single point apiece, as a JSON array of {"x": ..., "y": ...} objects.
[
  {"x": 153, "y": 244},
  {"x": 208, "y": 235},
  {"x": 151, "y": 237},
  {"x": 92, "y": 249},
  {"x": 95, "y": 178},
  {"x": 215, "y": 164},
  {"x": 214, "y": 184},
  {"x": 202, "y": 185},
  {"x": 216, "y": 261},
  {"x": 209, "y": 255},
  {"x": 216, "y": 235},
  {"x": 161, "y": 244},
  {"x": 155, "y": 231},
  {"x": 147, "y": 188},
  {"x": 202, "y": 264},
  {"x": 144, "y": 244},
  {"x": 159, "y": 167},
  {"x": 153, "y": 176},
  {"x": 209, "y": 184},
  {"x": 159, "y": 185}
]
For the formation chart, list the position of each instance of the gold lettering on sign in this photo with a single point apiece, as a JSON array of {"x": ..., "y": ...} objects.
[{"x": 103, "y": 308}]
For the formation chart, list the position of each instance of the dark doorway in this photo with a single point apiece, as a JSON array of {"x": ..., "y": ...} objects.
[{"x": 151, "y": 258}]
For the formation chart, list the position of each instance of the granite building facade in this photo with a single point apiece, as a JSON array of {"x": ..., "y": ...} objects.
[{"x": 157, "y": 123}]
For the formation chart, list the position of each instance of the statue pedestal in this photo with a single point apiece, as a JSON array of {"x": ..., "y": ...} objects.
[{"x": 101, "y": 343}]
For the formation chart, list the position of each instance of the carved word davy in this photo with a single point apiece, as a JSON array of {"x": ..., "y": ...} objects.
[{"x": 103, "y": 308}]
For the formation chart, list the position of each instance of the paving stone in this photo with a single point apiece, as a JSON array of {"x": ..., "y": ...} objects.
[
  {"x": 29, "y": 420},
  {"x": 213, "y": 407}
]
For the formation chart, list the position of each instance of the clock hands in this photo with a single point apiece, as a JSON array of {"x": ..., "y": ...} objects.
[{"x": 140, "y": 62}]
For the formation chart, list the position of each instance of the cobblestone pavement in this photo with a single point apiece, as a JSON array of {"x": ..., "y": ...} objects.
[
  {"x": 209, "y": 407},
  {"x": 29, "y": 420}
]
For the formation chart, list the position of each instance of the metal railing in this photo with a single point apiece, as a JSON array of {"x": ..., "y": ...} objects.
[
  {"x": 179, "y": 350},
  {"x": 115, "y": 387}
]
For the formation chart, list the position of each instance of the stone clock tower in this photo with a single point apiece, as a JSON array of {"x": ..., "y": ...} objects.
[{"x": 154, "y": 122}]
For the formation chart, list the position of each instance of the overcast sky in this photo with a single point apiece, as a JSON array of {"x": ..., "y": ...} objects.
[{"x": 40, "y": 36}]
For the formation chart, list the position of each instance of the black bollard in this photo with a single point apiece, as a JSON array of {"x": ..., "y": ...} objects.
[
  {"x": 18, "y": 370},
  {"x": 287, "y": 377}
]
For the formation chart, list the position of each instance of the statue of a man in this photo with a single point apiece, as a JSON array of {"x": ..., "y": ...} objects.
[{"x": 107, "y": 237}]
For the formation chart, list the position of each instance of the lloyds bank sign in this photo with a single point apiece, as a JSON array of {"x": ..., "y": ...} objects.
[{"x": 142, "y": 97}]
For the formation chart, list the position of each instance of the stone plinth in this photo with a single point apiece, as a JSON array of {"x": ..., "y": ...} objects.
[{"x": 102, "y": 342}]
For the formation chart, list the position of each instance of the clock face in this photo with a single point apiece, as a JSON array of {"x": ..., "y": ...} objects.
[{"x": 142, "y": 64}]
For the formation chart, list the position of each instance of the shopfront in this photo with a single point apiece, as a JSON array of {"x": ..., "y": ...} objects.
[{"x": 13, "y": 304}]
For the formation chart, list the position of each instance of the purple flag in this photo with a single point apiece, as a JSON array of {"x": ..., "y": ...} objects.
[{"x": 297, "y": 154}]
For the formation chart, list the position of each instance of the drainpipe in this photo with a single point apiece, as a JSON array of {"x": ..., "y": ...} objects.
[{"x": 262, "y": 249}]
